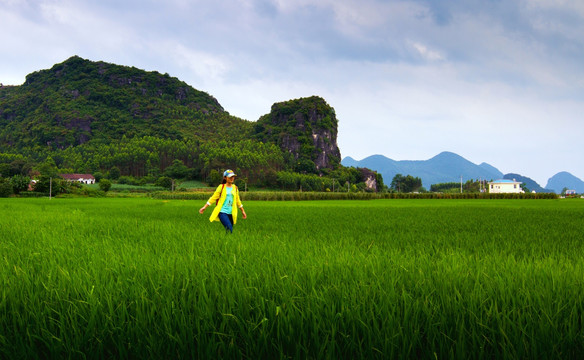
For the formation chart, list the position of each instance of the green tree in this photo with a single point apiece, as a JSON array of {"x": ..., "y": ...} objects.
[
  {"x": 4, "y": 170},
  {"x": 98, "y": 176},
  {"x": 48, "y": 168},
  {"x": 115, "y": 173},
  {"x": 178, "y": 170},
  {"x": 105, "y": 185},
  {"x": 164, "y": 181},
  {"x": 214, "y": 178},
  {"x": 305, "y": 166},
  {"x": 19, "y": 183},
  {"x": 19, "y": 167},
  {"x": 287, "y": 180},
  {"x": 5, "y": 188},
  {"x": 396, "y": 183},
  {"x": 406, "y": 184},
  {"x": 380, "y": 185},
  {"x": 52, "y": 184}
]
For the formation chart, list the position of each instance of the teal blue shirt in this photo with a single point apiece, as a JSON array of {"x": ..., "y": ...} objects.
[{"x": 227, "y": 207}]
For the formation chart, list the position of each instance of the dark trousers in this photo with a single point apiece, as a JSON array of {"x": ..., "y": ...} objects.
[{"x": 227, "y": 221}]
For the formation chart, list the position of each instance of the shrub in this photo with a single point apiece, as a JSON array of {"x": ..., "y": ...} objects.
[
  {"x": 90, "y": 192},
  {"x": 178, "y": 170},
  {"x": 98, "y": 176},
  {"x": 214, "y": 178},
  {"x": 105, "y": 185},
  {"x": 129, "y": 180},
  {"x": 114, "y": 173},
  {"x": 164, "y": 181},
  {"x": 5, "y": 188},
  {"x": 19, "y": 183},
  {"x": 46, "y": 183}
]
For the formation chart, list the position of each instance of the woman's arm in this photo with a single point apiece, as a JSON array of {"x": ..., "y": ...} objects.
[
  {"x": 239, "y": 204},
  {"x": 213, "y": 197}
]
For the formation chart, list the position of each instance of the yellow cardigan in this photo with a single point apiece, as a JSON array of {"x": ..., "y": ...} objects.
[{"x": 221, "y": 195}]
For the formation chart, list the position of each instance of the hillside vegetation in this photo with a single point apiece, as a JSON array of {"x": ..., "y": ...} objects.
[
  {"x": 78, "y": 101},
  {"x": 94, "y": 117}
]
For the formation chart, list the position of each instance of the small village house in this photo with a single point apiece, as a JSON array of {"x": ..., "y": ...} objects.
[
  {"x": 504, "y": 186},
  {"x": 31, "y": 185},
  {"x": 82, "y": 178}
]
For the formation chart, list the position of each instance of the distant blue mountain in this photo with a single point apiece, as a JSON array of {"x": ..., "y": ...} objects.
[
  {"x": 531, "y": 184},
  {"x": 489, "y": 168},
  {"x": 565, "y": 180},
  {"x": 448, "y": 167},
  {"x": 442, "y": 168}
]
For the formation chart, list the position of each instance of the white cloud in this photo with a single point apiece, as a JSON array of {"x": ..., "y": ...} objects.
[
  {"x": 208, "y": 67},
  {"x": 426, "y": 53},
  {"x": 565, "y": 6},
  {"x": 408, "y": 78}
]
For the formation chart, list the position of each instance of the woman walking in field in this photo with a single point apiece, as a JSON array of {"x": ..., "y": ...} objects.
[{"x": 227, "y": 200}]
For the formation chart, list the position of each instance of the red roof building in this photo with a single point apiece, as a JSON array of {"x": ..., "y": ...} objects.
[{"x": 82, "y": 178}]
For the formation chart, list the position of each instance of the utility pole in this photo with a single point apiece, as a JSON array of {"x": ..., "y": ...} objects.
[
  {"x": 50, "y": 188},
  {"x": 461, "y": 184}
]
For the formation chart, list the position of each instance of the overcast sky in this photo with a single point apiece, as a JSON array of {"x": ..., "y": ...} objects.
[{"x": 496, "y": 81}]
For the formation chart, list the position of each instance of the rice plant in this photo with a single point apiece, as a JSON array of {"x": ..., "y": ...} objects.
[{"x": 147, "y": 278}]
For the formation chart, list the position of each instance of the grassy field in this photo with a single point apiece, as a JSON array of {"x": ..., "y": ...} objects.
[{"x": 144, "y": 278}]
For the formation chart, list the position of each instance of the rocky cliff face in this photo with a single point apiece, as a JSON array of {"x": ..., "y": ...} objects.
[
  {"x": 306, "y": 129},
  {"x": 370, "y": 179}
]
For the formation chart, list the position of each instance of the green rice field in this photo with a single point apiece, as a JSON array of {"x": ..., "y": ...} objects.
[{"x": 377, "y": 279}]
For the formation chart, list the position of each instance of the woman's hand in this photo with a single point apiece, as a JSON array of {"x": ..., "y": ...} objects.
[
  {"x": 202, "y": 210},
  {"x": 243, "y": 213}
]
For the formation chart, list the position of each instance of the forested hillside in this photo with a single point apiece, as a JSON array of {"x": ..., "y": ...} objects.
[
  {"x": 94, "y": 117},
  {"x": 79, "y": 100}
]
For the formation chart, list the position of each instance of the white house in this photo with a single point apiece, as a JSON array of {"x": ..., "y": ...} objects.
[
  {"x": 82, "y": 178},
  {"x": 505, "y": 186}
]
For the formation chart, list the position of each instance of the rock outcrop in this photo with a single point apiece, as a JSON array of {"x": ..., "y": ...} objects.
[
  {"x": 306, "y": 129},
  {"x": 369, "y": 178}
]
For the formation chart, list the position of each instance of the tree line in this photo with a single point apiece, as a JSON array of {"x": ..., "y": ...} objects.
[{"x": 147, "y": 160}]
